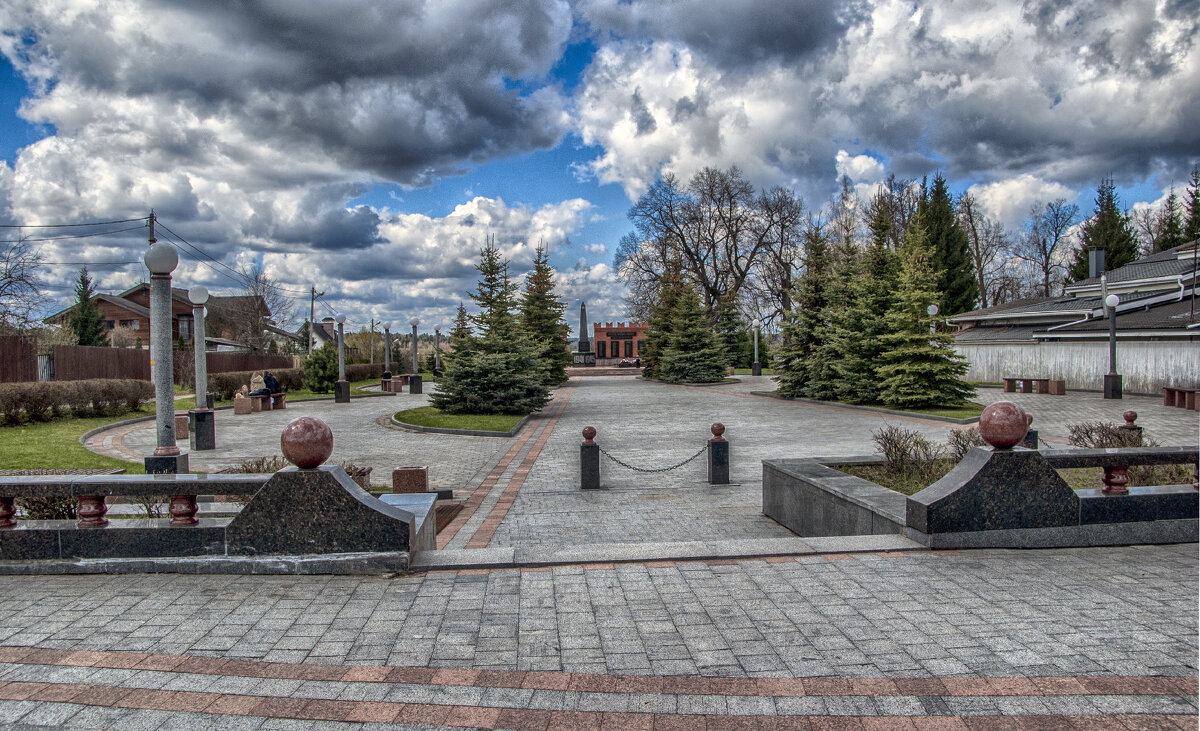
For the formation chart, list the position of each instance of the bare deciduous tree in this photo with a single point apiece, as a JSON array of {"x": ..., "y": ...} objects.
[
  {"x": 1046, "y": 242},
  {"x": 987, "y": 241},
  {"x": 19, "y": 294}
]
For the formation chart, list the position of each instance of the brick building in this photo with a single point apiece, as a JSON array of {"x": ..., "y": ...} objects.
[{"x": 616, "y": 341}]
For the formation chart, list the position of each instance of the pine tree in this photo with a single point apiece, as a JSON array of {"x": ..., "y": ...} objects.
[
  {"x": 918, "y": 368},
  {"x": 694, "y": 355},
  {"x": 542, "y": 319},
  {"x": 321, "y": 369},
  {"x": 731, "y": 334},
  {"x": 951, "y": 251},
  {"x": 496, "y": 371},
  {"x": 1107, "y": 227},
  {"x": 86, "y": 321},
  {"x": 801, "y": 325},
  {"x": 662, "y": 316},
  {"x": 823, "y": 377},
  {"x": 1191, "y": 224},
  {"x": 860, "y": 326},
  {"x": 1170, "y": 224}
]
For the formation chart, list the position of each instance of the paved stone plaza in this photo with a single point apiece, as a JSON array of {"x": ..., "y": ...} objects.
[{"x": 1066, "y": 638}]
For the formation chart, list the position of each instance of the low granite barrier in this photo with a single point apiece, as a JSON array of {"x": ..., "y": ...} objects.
[
  {"x": 998, "y": 497},
  {"x": 301, "y": 512}
]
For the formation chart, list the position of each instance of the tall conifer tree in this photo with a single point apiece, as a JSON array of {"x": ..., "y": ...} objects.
[
  {"x": 860, "y": 326},
  {"x": 694, "y": 355},
  {"x": 1108, "y": 227},
  {"x": 951, "y": 251},
  {"x": 918, "y": 368},
  {"x": 86, "y": 320},
  {"x": 1170, "y": 224},
  {"x": 801, "y": 339},
  {"x": 542, "y": 319},
  {"x": 1191, "y": 221},
  {"x": 661, "y": 322}
]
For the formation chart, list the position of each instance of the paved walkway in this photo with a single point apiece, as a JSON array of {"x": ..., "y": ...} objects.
[{"x": 1070, "y": 638}]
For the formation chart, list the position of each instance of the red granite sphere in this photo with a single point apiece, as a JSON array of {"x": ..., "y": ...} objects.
[
  {"x": 717, "y": 429},
  {"x": 1004, "y": 424},
  {"x": 589, "y": 433},
  {"x": 1130, "y": 418},
  {"x": 306, "y": 442}
]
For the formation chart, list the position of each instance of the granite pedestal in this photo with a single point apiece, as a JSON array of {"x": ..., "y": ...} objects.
[
  {"x": 341, "y": 392},
  {"x": 414, "y": 383},
  {"x": 173, "y": 464},
  {"x": 203, "y": 432}
]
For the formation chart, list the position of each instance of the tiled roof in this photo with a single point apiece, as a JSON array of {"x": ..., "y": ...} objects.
[
  {"x": 1163, "y": 264},
  {"x": 1168, "y": 316}
]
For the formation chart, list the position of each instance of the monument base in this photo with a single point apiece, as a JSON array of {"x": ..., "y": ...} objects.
[
  {"x": 174, "y": 464},
  {"x": 1112, "y": 385},
  {"x": 203, "y": 430},
  {"x": 756, "y": 369},
  {"x": 414, "y": 383},
  {"x": 585, "y": 359}
]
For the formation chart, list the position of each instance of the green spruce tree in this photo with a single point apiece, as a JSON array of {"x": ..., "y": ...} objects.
[
  {"x": 918, "y": 368},
  {"x": 731, "y": 334},
  {"x": 859, "y": 327},
  {"x": 86, "y": 321},
  {"x": 496, "y": 371},
  {"x": 1170, "y": 224},
  {"x": 1108, "y": 227},
  {"x": 801, "y": 326},
  {"x": 952, "y": 263},
  {"x": 542, "y": 320},
  {"x": 694, "y": 355},
  {"x": 321, "y": 369},
  {"x": 1191, "y": 222},
  {"x": 824, "y": 379},
  {"x": 662, "y": 316}
]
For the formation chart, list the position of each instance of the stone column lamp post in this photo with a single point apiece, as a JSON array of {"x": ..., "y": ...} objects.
[
  {"x": 341, "y": 389},
  {"x": 1112, "y": 379},
  {"x": 437, "y": 350},
  {"x": 161, "y": 259},
  {"x": 203, "y": 418},
  {"x": 756, "y": 367},
  {"x": 414, "y": 381},
  {"x": 387, "y": 352}
]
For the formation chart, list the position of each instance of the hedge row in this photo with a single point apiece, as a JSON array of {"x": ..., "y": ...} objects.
[
  {"x": 224, "y": 385},
  {"x": 42, "y": 401}
]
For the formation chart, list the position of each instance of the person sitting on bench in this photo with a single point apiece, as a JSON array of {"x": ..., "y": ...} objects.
[
  {"x": 258, "y": 386},
  {"x": 272, "y": 384}
]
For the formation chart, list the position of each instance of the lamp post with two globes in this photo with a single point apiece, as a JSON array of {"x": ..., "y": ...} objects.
[
  {"x": 202, "y": 418},
  {"x": 161, "y": 259}
]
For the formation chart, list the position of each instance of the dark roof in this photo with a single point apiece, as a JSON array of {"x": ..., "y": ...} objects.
[
  {"x": 1003, "y": 332},
  {"x": 1163, "y": 264},
  {"x": 1175, "y": 315}
]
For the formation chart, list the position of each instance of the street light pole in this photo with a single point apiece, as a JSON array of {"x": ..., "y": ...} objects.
[
  {"x": 341, "y": 389},
  {"x": 387, "y": 350},
  {"x": 161, "y": 259},
  {"x": 203, "y": 431},
  {"x": 932, "y": 311},
  {"x": 437, "y": 350},
  {"x": 414, "y": 381},
  {"x": 756, "y": 367},
  {"x": 1112, "y": 379}
]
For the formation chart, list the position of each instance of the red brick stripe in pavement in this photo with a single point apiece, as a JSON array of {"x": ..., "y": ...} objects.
[
  {"x": 471, "y": 504},
  {"x": 485, "y": 532},
  {"x": 595, "y": 682}
]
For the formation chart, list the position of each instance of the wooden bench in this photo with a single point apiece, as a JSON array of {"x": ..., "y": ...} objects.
[
  {"x": 1052, "y": 386},
  {"x": 1183, "y": 398}
]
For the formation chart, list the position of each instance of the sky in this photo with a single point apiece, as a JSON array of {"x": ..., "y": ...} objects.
[{"x": 368, "y": 148}]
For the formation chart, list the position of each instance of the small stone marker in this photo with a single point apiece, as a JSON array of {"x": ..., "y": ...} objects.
[
  {"x": 589, "y": 460},
  {"x": 410, "y": 479},
  {"x": 718, "y": 456}
]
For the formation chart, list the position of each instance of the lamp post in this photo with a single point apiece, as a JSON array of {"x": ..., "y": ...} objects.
[
  {"x": 203, "y": 431},
  {"x": 932, "y": 311},
  {"x": 756, "y": 367},
  {"x": 437, "y": 350},
  {"x": 341, "y": 389},
  {"x": 387, "y": 350},
  {"x": 161, "y": 259},
  {"x": 1112, "y": 379},
  {"x": 414, "y": 381}
]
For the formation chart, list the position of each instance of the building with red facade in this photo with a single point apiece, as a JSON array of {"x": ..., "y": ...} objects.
[{"x": 616, "y": 341}]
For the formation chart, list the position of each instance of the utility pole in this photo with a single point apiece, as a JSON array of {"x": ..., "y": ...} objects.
[{"x": 312, "y": 304}]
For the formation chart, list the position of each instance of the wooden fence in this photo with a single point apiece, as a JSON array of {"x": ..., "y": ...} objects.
[
  {"x": 18, "y": 359},
  {"x": 77, "y": 362}
]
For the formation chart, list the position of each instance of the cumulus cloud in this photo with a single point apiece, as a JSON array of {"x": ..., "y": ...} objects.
[
  {"x": 1009, "y": 201},
  {"x": 596, "y": 248},
  {"x": 595, "y": 284}
]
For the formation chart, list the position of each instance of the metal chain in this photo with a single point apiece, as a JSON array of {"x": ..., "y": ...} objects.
[{"x": 663, "y": 469}]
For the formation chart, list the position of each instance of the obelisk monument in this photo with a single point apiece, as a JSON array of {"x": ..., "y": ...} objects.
[{"x": 585, "y": 356}]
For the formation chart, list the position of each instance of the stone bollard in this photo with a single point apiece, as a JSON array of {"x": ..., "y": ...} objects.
[
  {"x": 1129, "y": 425},
  {"x": 1116, "y": 478},
  {"x": 414, "y": 383},
  {"x": 589, "y": 460},
  {"x": 410, "y": 479},
  {"x": 718, "y": 456}
]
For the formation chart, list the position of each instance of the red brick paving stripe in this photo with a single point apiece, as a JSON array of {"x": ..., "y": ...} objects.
[
  {"x": 484, "y": 534},
  {"x": 322, "y": 709},
  {"x": 472, "y": 503},
  {"x": 597, "y": 682}
]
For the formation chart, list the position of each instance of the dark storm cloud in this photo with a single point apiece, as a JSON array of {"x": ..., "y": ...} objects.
[
  {"x": 642, "y": 118},
  {"x": 731, "y": 34}
]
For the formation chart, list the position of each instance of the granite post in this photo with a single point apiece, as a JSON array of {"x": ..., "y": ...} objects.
[
  {"x": 756, "y": 367},
  {"x": 341, "y": 389},
  {"x": 718, "y": 456},
  {"x": 414, "y": 381},
  {"x": 161, "y": 260},
  {"x": 203, "y": 421},
  {"x": 589, "y": 460}
]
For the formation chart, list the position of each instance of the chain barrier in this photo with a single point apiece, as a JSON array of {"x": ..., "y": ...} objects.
[{"x": 661, "y": 469}]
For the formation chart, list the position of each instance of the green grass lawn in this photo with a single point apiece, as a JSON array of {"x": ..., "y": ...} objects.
[
  {"x": 429, "y": 416},
  {"x": 295, "y": 395},
  {"x": 746, "y": 371},
  {"x": 966, "y": 411},
  {"x": 55, "y": 445}
]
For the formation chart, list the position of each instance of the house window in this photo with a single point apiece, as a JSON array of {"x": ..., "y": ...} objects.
[
  {"x": 628, "y": 348},
  {"x": 185, "y": 328},
  {"x": 109, "y": 324},
  {"x": 600, "y": 349}
]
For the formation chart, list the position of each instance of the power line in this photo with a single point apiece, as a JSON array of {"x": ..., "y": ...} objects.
[
  {"x": 71, "y": 225},
  {"x": 89, "y": 263},
  {"x": 240, "y": 277},
  {"x": 73, "y": 236}
]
